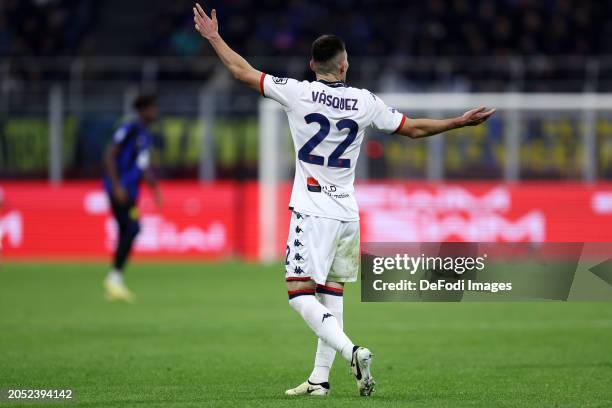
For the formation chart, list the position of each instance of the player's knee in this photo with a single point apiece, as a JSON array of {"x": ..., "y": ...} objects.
[
  {"x": 293, "y": 285},
  {"x": 331, "y": 289},
  {"x": 296, "y": 290}
]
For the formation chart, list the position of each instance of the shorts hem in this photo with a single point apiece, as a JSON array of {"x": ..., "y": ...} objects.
[
  {"x": 341, "y": 280},
  {"x": 331, "y": 217}
]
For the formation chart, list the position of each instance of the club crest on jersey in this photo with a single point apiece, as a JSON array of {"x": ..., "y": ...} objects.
[
  {"x": 313, "y": 185},
  {"x": 280, "y": 81}
]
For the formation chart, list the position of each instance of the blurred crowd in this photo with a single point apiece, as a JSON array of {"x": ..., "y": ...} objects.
[
  {"x": 389, "y": 27},
  {"x": 281, "y": 27},
  {"x": 45, "y": 27}
]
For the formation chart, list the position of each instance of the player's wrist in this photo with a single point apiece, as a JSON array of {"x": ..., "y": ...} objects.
[
  {"x": 213, "y": 37},
  {"x": 458, "y": 122}
]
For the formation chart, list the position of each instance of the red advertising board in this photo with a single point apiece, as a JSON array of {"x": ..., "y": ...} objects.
[
  {"x": 73, "y": 221},
  {"x": 486, "y": 212},
  {"x": 218, "y": 220}
]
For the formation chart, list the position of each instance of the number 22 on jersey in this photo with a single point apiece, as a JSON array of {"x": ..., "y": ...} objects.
[{"x": 334, "y": 160}]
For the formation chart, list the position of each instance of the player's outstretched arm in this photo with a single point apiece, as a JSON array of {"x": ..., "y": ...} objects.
[
  {"x": 417, "y": 128},
  {"x": 238, "y": 66}
]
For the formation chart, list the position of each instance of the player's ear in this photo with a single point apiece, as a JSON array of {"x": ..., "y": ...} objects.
[
  {"x": 344, "y": 65},
  {"x": 312, "y": 66}
]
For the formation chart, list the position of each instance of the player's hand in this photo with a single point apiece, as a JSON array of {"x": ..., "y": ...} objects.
[
  {"x": 476, "y": 116},
  {"x": 120, "y": 194},
  {"x": 206, "y": 26}
]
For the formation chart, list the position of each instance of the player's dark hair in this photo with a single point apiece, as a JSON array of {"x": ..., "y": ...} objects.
[
  {"x": 144, "y": 101},
  {"x": 325, "y": 49}
]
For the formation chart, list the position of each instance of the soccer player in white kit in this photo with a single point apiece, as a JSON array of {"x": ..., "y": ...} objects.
[{"x": 328, "y": 120}]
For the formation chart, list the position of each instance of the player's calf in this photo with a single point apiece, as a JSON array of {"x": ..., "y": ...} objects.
[
  {"x": 319, "y": 318},
  {"x": 330, "y": 296}
]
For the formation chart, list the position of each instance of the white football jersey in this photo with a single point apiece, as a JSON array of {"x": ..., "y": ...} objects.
[{"x": 327, "y": 122}]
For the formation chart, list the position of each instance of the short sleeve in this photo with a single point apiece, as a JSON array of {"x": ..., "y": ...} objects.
[
  {"x": 120, "y": 134},
  {"x": 385, "y": 118},
  {"x": 282, "y": 90}
]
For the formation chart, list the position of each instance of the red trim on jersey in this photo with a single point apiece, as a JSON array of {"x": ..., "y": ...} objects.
[
  {"x": 330, "y": 288},
  {"x": 261, "y": 84},
  {"x": 303, "y": 279},
  {"x": 401, "y": 124}
]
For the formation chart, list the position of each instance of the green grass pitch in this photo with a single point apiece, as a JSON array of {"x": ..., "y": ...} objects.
[{"x": 223, "y": 335}]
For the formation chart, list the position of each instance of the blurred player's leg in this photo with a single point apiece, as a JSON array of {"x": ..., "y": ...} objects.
[
  {"x": 126, "y": 216},
  {"x": 127, "y": 236}
]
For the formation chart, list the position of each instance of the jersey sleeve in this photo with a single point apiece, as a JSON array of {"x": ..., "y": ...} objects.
[
  {"x": 385, "y": 118},
  {"x": 121, "y": 134},
  {"x": 282, "y": 90}
]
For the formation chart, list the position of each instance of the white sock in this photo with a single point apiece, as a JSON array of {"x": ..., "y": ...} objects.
[
  {"x": 115, "y": 276},
  {"x": 324, "y": 358},
  {"x": 322, "y": 322}
]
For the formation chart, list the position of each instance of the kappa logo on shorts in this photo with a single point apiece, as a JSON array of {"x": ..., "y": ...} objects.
[
  {"x": 297, "y": 243},
  {"x": 325, "y": 316},
  {"x": 280, "y": 81},
  {"x": 297, "y": 257},
  {"x": 298, "y": 230},
  {"x": 298, "y": 270}
]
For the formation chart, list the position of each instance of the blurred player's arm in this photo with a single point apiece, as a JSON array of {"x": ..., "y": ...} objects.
[
  {"x": 418, "y": 128},
  {"x": 109, "y": 165},
  {"x": 238, "y": 66},
  {"x": 154, "y": 186}
]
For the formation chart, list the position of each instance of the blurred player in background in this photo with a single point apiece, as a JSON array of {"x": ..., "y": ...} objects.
[
  {"x": 327, "y": 119},
  {"x": 127, "y": 162}
]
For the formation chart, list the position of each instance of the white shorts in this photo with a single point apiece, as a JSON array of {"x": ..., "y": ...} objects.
[{"x": 322, "y": 249}]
